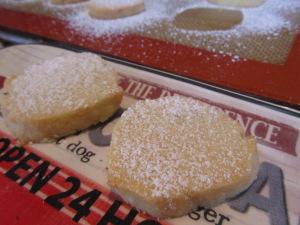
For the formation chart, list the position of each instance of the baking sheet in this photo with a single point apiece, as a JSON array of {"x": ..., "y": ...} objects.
[
  {"x": 259, "y": 46},
  {"x": 275, "y": 200},
  {"x": 256, "y": 63}
]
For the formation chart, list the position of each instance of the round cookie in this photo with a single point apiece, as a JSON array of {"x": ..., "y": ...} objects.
[
  {"x": 170, "y": 155},
  {"x": 59, "y": 97},
  {"x": 112, "y": 9},
  {"x": 207, "y": 19}
]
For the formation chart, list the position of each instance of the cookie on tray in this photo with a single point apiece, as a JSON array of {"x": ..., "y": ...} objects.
[
  {"x": 170, "y": 155},
  {"x": 59, "y": 97},
  {"x": 113, "y": 9}
]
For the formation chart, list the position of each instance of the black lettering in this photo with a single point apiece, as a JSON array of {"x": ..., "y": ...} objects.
[
  {"x": 222, "y": 219},
  {"x": 13, "y": 154},
  {"x": 86, "y": 158},
  {"x": 110, "y": 217},
  {"x": 41, "y": 178},
  {"x": 72, "y": 147},
  {"x": 195, "y": 215},
  {"x": 149, "y": 222},
  {"x": 83, "y": 203},
  {"x": 5, "y": 142},
  {"x": 210, "y": 215},
  {"x": 53, "y": 200},
  {"x": 22, "y": 164},
  {"x": 273, "y": 175},
  {"x": 81, "y": 151}
]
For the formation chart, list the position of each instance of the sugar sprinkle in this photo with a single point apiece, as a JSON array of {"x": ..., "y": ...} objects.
[
  {"x": 61, "y": 84},
  {"x": 177, "y": 145}
]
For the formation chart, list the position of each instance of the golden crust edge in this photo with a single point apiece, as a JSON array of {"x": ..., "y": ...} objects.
[
  {"x": 45, "y": 129},
  {"x": 160, "y": 208}
]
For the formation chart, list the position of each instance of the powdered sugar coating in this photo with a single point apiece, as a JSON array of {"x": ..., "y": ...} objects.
[
  {"x": 177, "y": 146},
  {"x": 61, "y": 84},
  {"x": 272, "y": 20},
  {"x": 268, "y": 18}
]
